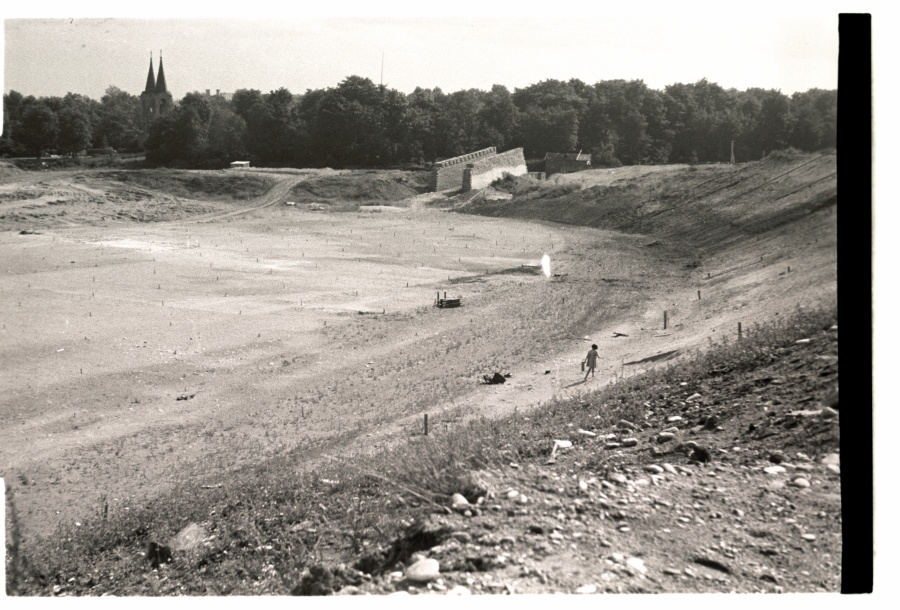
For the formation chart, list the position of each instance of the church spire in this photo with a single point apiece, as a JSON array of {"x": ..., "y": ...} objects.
[
  {"x": 151, "y": 83},
  {"x": 161, "y": 78}
]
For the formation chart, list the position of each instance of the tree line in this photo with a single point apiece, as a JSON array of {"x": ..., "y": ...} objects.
[{"x": 359, "y": 123}]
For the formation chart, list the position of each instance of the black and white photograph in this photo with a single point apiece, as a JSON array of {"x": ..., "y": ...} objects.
[{"x": 536, "y": 299}]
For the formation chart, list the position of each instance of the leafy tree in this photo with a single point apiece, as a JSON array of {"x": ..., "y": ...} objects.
[
  {"x": 74, "y": 129},
  {"x": 659, "y": 131},
  {"x": 553, "y": 130},
  {"x": 182, "y": 136},
  {"x": 458, "y": 126},
  {"x": 13, "y": 103},
  {"x": 347, "y": 130},
  {"x": 271, "y": 130},
  {"x": 226, "y": 134},
  {"x": 282, "y": 129},
  {"x": 550, "y": 113},
  {"x": 773, "y": 124},
  {"x": 550, "y": 94},
  {"x": 164, "y": 139},
  {"x": 260, "y": 132},
  {"x": 243, "y": 100},
  {"x": 815, "y": 114},
  {"x": 619, "y": 121},
  {"x": 396, "y": 135},
  {"x": 360, "y": 123},
  {"x": 499, "y": 118},
  {"x": 39, "y": 128},
  {"x": 119, "y": 122},
  {"x": 423, "y": 113}
]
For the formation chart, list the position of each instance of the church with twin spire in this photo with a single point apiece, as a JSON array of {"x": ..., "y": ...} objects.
[{"x": 155, "y": 100}]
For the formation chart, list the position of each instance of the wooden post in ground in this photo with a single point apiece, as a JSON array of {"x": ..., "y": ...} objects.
[
  {"x": 698, "y": 295},
  {"x": 739, "y": 330},
  {"x": 426, "y": 424},
  {"x": 665, "y": 320}
]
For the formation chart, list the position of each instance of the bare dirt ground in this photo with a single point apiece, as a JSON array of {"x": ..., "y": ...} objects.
[
  {"x": 151, "y": 340},
  {"x": 606, "y": 177}
]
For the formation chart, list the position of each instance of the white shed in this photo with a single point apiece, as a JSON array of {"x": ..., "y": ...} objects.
[{"x": 239, "y": 164}]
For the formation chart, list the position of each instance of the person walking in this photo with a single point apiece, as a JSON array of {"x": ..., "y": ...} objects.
[{"x": 591, "y": 361}]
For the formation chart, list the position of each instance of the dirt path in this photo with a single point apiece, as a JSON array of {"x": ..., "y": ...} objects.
[{"x": 278, "y": 194}]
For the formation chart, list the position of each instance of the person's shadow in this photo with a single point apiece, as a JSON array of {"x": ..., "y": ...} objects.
[{"x": 576, "y": 383}]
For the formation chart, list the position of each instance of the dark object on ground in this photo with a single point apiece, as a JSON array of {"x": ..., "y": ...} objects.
[
  {"x": 421, "y": 535},
  {"x": 322, "y": 580},
  {"x": 655, "y": 358},
  {"x": 546, "y": 372},
  {"x": 711, "y": 422},
  {"x": 445, "y": 302},
  {"x": 29, "y": 232},
  {"x": 712, "y": 563},
  {"x": 495, "y": 378},
  {"x": 158, "y": 554},
  {"x": 700, "y": 454},
  {"x": 185, "y": 397},
  {"x": 777, "y": 458},
  {"x": 319, "y": 581},
  {"x": 616, "y": 334}
]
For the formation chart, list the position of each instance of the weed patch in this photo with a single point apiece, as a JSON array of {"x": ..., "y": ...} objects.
[
  {"x": 355, "y": 189},
  {"x": 201, "y": 185}
]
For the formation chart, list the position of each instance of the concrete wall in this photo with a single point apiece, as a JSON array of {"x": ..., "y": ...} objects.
[
  {"x": 448, "y": 174},
  {"x": 481, "y": 172}
]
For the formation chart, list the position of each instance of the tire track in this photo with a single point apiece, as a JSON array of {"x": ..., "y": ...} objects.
[{"x": 279, "y": 191}]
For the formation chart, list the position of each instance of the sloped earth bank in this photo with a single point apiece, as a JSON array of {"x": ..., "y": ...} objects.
[
  {"x": 742, "y": 494},
  {"x": 35, "y": 201},
  {"x": 212, "y": 374}
]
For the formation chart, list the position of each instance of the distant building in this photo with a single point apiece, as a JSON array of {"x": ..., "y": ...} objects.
[
  {"x": 225, "y": 96},
  {"x": 239, "y": 164},
  {"x": 156, "y": 100},
  {"x": 566, "y": 163}
]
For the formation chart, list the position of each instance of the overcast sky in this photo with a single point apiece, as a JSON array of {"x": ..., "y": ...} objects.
[{"x": 505, "y": 44}]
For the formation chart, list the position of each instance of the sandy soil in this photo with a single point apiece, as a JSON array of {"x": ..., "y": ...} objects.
[
  {"x": 138, "y": 354},
  {"x": 607, "y": 176}
]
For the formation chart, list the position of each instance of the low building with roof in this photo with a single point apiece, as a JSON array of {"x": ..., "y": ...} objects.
[{"x": 566, "y": 163}]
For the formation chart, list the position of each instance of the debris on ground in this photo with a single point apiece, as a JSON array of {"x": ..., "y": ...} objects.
[{"x": 495, "y": 378}]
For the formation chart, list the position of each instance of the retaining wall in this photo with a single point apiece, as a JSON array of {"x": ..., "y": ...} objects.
[
  {"x": 448, "y": 174},
  {"x": 481, "y": 172}
]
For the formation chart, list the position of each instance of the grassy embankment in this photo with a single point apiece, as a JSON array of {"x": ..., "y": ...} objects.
[
  {"x": 347, "y": 192},
  {"x": 204, "y": 186},
  {"x": 703, "y": 208}
]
